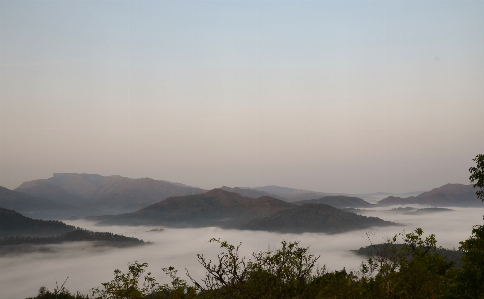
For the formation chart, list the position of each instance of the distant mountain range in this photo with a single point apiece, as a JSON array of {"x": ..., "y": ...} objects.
[
  {"x": 67, "y": 195},
  {"x": 226, "y": 209},
  {"x": 96, "y": 194},
  {"x": 449, "y": 195}
]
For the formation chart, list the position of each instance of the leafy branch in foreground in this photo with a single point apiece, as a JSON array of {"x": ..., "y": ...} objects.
[{"x": 477, "y": 175}]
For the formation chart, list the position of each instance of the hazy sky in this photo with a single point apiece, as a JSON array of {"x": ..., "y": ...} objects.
[{"x": 336, "y": 96}]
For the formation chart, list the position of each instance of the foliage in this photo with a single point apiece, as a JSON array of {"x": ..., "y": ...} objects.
[
  {"x": 413, "y": 270},
  {"x": 58, "y": 293},
  {"x": 469, "y": 279},
  {"x": 127, "y": 285},
  {"x": 281, "y": 273},
  {"x": 477, "y": 175}
]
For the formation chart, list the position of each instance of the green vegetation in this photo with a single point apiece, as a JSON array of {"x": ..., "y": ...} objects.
[
  {"x": 451, "y": 255},
  {"x": 477, "y": 175},
  {"x": 413, "y": 269}
]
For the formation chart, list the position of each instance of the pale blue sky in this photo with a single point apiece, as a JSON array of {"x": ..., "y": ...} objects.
[{"x": 337, "y": 96}]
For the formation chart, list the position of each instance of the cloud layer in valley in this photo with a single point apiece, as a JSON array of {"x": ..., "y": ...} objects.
[{"x": 88, "y": 266}]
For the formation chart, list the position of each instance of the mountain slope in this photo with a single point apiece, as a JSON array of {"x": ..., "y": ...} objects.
[
  {"x": 27, "y": 204},
  {"x": 314, "y": 218},
  {"x": 446, "y": 196},
  {"x": 252, "y": 193},
  {"x": 45, "y": 189},
  {"x": 213, "y": 208},
  {"x": 105, "y": 194},
  {"x": 338, "y": 202},
  {"x": 14, "y": 224},
  {"x": 230, "y": 210}
]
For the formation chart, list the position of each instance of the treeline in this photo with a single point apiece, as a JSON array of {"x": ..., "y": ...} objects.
[
  {"x": 407, "y": 266},
  {"x": 74, "y": 236}
]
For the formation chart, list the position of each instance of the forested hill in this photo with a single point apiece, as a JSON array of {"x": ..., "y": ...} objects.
[
  {"x": 103, "y": 238},
  {"x": 230, "y": 210},
  {"x": 315, "y": 218},
  {"x": 15, "y": 224},
  {"x": 216, "y": 207},
  {"x": 338, "y": 201}
]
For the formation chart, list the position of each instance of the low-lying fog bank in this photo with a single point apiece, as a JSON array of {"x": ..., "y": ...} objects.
[{"x": 88, "y": 266}]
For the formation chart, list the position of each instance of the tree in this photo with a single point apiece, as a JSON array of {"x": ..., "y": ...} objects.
[
  {"x": 477, "y": 175},
  {"x": 127, "y": 285},
  {"x": 281, "y": 273},
  {"x": 410, "y": 270}
]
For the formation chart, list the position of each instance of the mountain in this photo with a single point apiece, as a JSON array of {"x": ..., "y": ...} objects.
[
  {"x": 252, "y": 193},
  {"x": 26, "y": 204},
  {"x": 338, "y": 202},
  {"x": 216, "y": 207},
  {"x": 14, "y": 224},
  {"x": 291, "y": 194},
  {"x": 314, "y": 218},
  {"x": 98, "y": 194},
  {"x": 284, "y": 191},
  {"x": 20, "y": 234},
  {"x": 449, "y": 195},
  {"x": 48, "y": 190},
  {"x": 226, "y": 209},
  {"x": 77, "y": 235}
]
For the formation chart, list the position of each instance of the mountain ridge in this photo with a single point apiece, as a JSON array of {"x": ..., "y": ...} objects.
[{"x": 448, "y": 195}]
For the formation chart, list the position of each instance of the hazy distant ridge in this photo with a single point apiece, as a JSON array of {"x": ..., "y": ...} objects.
[
  {"x": 449, "y": 195},
  {"x": 104, "y": 194}
]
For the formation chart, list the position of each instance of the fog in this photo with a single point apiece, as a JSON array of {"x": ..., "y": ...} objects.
[{"x": 88, "y": 266}]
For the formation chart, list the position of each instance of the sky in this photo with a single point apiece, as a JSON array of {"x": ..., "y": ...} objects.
[{"x": 332, "y": 96}]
